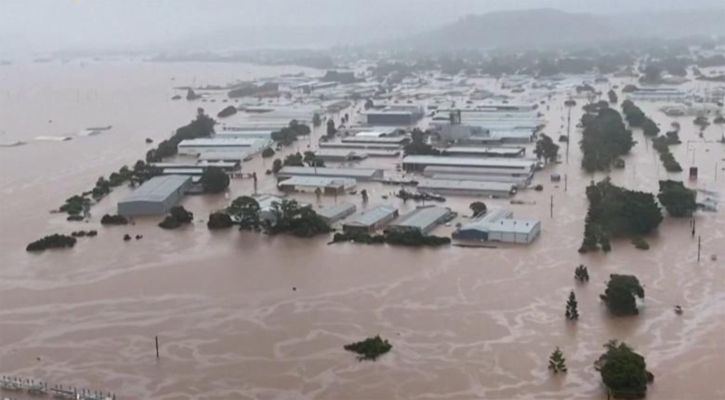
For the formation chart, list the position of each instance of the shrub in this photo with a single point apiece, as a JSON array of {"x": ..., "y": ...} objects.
[
  {"x": 114, "y": 220},
  {"x": 54, "y": 241}
]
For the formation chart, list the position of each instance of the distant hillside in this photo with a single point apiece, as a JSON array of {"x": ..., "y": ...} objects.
[{"x": 545, "y": 27}]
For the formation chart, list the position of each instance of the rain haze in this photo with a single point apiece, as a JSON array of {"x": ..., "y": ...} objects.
[{"x": 365, "y": 200}]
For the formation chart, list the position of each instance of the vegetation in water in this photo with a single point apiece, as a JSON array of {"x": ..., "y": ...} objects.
[
  {"x": 678, "y": 200},
  {"x": 54, "y": 241},
  {"x": 393, "y": 238},
  {"x": 109, "y": 219},
  {"x": 289, "y": 134},
  {"x": 478, "y": 208},
  {"x": 219, "y": 220},
  {"x": 661, "y": 145},
  {"x": 370, "y": 348},
  {"x": 296, "y": 220},
  {"x": 640, "y": 243},
  {"x": 623, "y": 371},
  {"x": 227, "y": 112},
  {"x": 419, "y": 144},
  {"x": 581, "y": 273},
  {"x": 178, "y": 216},
  {"x": 214, "y": 180},
  {"x": 245, "y": 211},
  {"x": 557, "y": 362},
  {"x": 604, "y": 139},
  {"x": 268, "y": 153},
  {"x": 546, "y": 149},
  {"x": 615, "y": 212},
  {"x": 620, "y": 295},
  {"x": 572, "y": 310}
]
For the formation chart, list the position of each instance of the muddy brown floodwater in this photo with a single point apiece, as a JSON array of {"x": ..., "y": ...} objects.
[{"x": 464, "y": 323}]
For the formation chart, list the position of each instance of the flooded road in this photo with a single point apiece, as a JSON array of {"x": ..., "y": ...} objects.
[{"x": 247, "y": 316}]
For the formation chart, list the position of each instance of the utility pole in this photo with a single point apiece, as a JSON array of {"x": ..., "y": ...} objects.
[
  {"x": 699, "y": 245},
  {"x": 157, "y": 347},
  {"x": 568, "y": 139},
  {"x": 566, "y": 182},
  {"x": 552, "y": 207}
]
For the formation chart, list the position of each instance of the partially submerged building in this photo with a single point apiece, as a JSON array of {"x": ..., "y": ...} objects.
[
  {"x": 370, "y": 220},
  {"x": 394, "y": 115},
  {"x": 194, "y": 147},
  {"x": 155, "y": 196},
  {"x": 340, "y": 155},
  {"x": 498, "y": 225},
  {"x": 464, "y": 151},
  {"x": 359, "y": 174},
  {"x": 327, "y": 185},
  {"x": 419, "y": 163},
  {"x": 421, "y": 220},
  {"x": 468, "y": 187},
  {"x": 336, "y": 212}
]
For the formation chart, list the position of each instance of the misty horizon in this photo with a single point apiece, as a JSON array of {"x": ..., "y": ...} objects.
[{"x": 80, "y": 25}]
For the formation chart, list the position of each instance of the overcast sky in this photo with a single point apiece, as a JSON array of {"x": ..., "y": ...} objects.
[{"x": 61, "y": 24}]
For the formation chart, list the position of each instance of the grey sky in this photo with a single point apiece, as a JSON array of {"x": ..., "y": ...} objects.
[{"x": 60, "y": 24}]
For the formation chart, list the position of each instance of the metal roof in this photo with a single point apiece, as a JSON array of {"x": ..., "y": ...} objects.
[
  {"x": 158, "y": 188},
  {"x": 338, "y": 209},
  {"x": 486, "y": 150},
  {"x": 374, "y": 139},
  {"x": 432, "y": 184},
  {"x": 372, "y": 216},
  {"x": 500, "y": 220},
  {"x": 330, "y": 172},
  {"x": 318, "y": 181},
  {"x": 422, "y": 217},
  {"x": 507, "y": 163},
  {"x": 220, "y": 142}
]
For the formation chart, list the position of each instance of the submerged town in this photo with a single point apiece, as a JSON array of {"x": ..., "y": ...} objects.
[{"x": 493, "y": 176}]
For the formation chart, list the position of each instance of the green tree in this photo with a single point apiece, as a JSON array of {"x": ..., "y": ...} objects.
[
  {"x": 612, "y": 96},
  {"x": 546, "y": 149},
  {"x": 369, "y": 104},
  {"x": 572, "y": 312},
  {"x": 180, "y": 214},
  {"x": 294, "y": 160},
  {"x": 276, "y": 166},
  {"x": 245, "y": 210},
  {"x": 312, "y": 160},
  {"x": 316, "y": 120},
  {"x": 268, "y": 153},
  {"x": 581, "y": 273},
  {"x": 649, "y": 128},
  {"x": 419, "y": 145},
  {"x": 620, "y": 294},
  {"x": 214, "y": 180},
  {"x": 478, "y": 207},
  {"x": 623, "y": 371},
  {"x": 678, "y": 200},
  {"x": 331, "y": 129},
  {"x": 652, "y": 74},
  {"x": 557, "y": 362},
  {"x": 370, "y": 348},
  {"x": 219, "y": 220}
]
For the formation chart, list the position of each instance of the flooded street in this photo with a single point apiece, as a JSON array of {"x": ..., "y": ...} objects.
[{"x": 241, "y": 315}]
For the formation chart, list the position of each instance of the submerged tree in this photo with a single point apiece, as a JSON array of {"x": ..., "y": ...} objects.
[
  {"x": 678, "y": 200},
  {"x": 623, "y": 371},
  {"x": 557, "y": 362},
  {"x": 572, "y": 312},
  {"x": 620, "y": 294},
  {"x": 581, "y": 273},
  {"x": 214, "y": 180},
  {"x": 478, "y": 208},
  {"x": 331, "y": 130},
  {"x": 245, "y": 210},
  {"x": 546, "y": 149},
  {"x": 370, "y": 348}
]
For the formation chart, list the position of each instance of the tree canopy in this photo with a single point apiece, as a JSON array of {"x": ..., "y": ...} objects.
[
  {"x": 478, "y": 207},
  {"x": 245, "y": 209},
  {"x": 604, "y": 139},
  {"x": 546, "y": 149},
  {"x": 623, "y": 371},
  {"x": 370, "y": 348},
  {"x": 620, "y": 294},
  {"x": 419, "y": 145},
  {"x": 678, "y": 200},
  {"x": 615, "y": 211},
  {"x": 214, "y": 180}
]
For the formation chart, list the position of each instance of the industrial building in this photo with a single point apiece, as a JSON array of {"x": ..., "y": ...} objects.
[
  {"x": 155, "y": 196},
  {"x": 394, "y": 116},
  {"x": 340, "y": 155},
  {"x": 370, "y": 220},
  {"x": 377, "y": 146},
  {"x": 223, "y": 165},
  {"x": 498, "y": 225},
  {"x": 360, "y": 174},
  {"x": 194, "y": 147},
  {"x": 468, "y": 187},
  {"x": 229, "y": 133},
  {"x": 485, "y": 151},
  {"x": 224, "y": 156},
  {"x": 335, "y": 213},
  {"x": 422, "y": 220},
  {"x": 657, "y": 94},
  {"x": 328, "y": 186},
  {"x": 399, "y": 140},
  {"x": 418, "y": 163}
]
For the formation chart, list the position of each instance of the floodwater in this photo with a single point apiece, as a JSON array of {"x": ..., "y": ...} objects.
[{"x": 464, "y": 323}]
